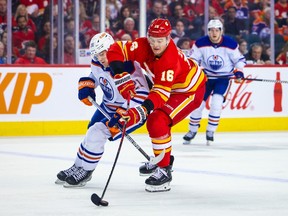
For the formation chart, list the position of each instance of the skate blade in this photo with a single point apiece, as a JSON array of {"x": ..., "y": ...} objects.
[
  {"x": 80, "y": 185},
  {"x": 186, "y": 142},
  {"x": 208, "y": 143},
  {"x": 59, "y": 182},
  {"x": 158, "y": 188}
]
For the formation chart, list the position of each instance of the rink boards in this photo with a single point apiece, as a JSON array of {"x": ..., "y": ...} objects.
[{"x": 44, "y": 101}]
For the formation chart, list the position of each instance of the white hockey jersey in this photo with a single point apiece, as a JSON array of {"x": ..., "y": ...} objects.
[
  {"x": 111, "y": 96},
  {"x": 218, "y": 59}
]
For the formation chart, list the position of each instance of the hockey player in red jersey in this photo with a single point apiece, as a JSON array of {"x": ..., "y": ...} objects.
[{"x": 178, "y": 88}]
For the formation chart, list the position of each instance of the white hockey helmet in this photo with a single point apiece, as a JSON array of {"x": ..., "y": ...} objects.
[
  {"x": 215, "y": 23},
  {"x": 100, "y": 42}
]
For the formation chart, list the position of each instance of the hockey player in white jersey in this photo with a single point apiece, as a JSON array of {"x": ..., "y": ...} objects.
[
  {"x": 221, "y": 60},
  {"x": 91, "y": 148}
]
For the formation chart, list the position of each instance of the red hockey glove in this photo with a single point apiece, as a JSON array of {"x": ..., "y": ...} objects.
[
  {"x": 239, "y": 76},
  {"x": 135, "y": 115},
  {"x": 125, "y": 85},
  {"x": 86, "y": 88}
]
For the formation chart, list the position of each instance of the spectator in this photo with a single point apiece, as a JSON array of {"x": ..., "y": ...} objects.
[
  {"x": 35, "y": 8},
  {"x": 3, "y": 58},
  {"x": 22, "y": 33},
  {"x": 44, "y": 36},
  {"x": 179, "y": 14},
  {"x": 213, "y": 14},
  {"x": 118, "y": 23},
  {"x": 30, "y": 55},
  {"x": 282, "y": 58},
  {"x": 217, "y": 5},
  {"x": 91, "y": 6},
  {"x": 135, "y": 11},
  {"x": 114, "y": 7},
  {"x": 165, "y": 10},
  {"x": 155, "y": 11},
  {"x": 261, "y": 26},
  {"x": 243, "y": 46},
  {"x": 95, "y": 29},
  {"x": 4, "y": 38},
  {"x": 22, "y": 11},
  {"x": 3, "y": 12},
  {"x": 69, "y": 47},
  {"x": 69, "y": 29},
  {"x": 242, "y": 10},
  {"x": 46, "y": 50},
  {"x": 189, "y": 10},
  {"x": 256, "y": 55},
  {"x": 129, "y": 28},
  {"x": 178, "y": 31},
  {"x": 194, "y": 13},
  {"x": 184, "y": 43},
  {"x": 281, "y": 8},
  {"x": 84, "y": 19},
  {"x": 233, "y": 26}
]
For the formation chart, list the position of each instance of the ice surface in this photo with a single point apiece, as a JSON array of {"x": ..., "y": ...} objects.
[{"x": 239, "y": 174}]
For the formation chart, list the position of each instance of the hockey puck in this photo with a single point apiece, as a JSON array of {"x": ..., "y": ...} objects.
[{"x": 98, "y": 201}]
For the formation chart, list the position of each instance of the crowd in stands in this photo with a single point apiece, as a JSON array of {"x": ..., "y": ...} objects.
[{"x": 247, "y": 21}]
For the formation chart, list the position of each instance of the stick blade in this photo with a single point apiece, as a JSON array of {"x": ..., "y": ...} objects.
[
  {"x": 98, "y": 201},
  {"x": 156, "y": 160}
]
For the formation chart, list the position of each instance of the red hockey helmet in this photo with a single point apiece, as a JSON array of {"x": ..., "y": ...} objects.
[{"x": 159, "y": 28}]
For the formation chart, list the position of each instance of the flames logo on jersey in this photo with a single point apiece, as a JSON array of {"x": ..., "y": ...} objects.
[
  {"x": 215, "y": 62},
  {"x": 106, "y": 88}
]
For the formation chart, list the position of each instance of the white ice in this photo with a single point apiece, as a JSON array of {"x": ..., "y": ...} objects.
[{"x": 243, "y": 174}]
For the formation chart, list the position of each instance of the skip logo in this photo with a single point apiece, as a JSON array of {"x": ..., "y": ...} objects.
[
  {"x": 215, "y": 62},
  {"x": 32, "y": 88}
]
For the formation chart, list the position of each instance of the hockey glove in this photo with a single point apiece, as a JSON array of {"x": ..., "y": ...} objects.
[
  {"x": 135, "y": 115},
  {"x": 113, "y": 130},
  {"x": 239, "y": 76},
  {"x": 86, "y": 87},
  {"x": 116, "y": 117},
  {"x": 125, "y": 85}
]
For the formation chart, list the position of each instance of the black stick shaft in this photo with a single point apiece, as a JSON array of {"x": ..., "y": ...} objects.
[
  {"x": 118, "y": 153},
  {"x": 266, "y": 80}
]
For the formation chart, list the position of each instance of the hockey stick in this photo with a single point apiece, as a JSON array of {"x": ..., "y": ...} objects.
[
  {"x": 94, "y": 197},
  {"x": 267, "y": 80},
  {"x": 152, "y": 160},
  {"x": 255, "y": 79}
]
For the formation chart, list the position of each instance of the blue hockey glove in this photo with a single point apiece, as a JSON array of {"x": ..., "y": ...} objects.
[
  {"x": 116, "y": 117},
  {"x": 86, "y": 88},
  {"x": 239, "y": 76}
]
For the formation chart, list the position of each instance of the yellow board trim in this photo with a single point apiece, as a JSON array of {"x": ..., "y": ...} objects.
[
  {"x": 46, "y": 128},
  {"x": 43, "y": 128},
  {"x": 234, "y": 125}
]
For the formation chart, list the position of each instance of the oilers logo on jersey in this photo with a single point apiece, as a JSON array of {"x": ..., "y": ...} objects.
[
  {"x": 215, "y": 62},
  {"x": 106, "y": 88}
]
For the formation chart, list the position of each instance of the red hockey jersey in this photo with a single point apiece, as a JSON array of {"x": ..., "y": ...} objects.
[{"x": 172, "y": 73}]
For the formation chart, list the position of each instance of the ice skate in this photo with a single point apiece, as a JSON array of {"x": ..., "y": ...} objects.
[
  {"x": 160, "y": 180},
  {"x": 209, "y": 137},
  {"x": 148, "y": 168},
  {"x": 62, "y": 175},
  {"x": 188, "y": 137},
  {"x": 78, "y": 179}
]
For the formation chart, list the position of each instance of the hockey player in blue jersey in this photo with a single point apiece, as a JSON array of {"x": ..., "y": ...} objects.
[
  {"x": 221, "y": 60},
  {"x": 91, "y": 148}
]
